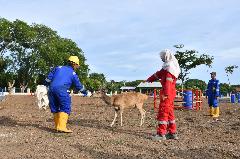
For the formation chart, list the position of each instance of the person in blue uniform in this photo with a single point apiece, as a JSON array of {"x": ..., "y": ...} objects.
[
  {"x": 59, "y": 80},
  {"x": 213, "y": 93}
]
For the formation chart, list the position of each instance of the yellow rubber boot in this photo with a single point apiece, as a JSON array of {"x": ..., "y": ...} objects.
[
  {"x": 216, "y": 112},
  {"x": 56, "y": 120},
  {"x": 62, "y": 127},
  {"x": 211, "y": 111}
]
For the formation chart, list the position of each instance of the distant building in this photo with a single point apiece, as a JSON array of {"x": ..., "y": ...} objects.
[
  {"x": 127, "y": 89},
  {"x": 148, "y": 87}
]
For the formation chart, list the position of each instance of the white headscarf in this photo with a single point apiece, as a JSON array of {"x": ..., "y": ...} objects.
[{"x": 170, "y": 62}]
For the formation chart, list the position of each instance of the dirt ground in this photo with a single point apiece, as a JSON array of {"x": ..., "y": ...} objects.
[{"x": 27, "y": 132}]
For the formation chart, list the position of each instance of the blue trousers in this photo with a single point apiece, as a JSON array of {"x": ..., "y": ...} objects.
[
  {"x": 212, "y": 101},
  {"x": 59, "y": 100}
]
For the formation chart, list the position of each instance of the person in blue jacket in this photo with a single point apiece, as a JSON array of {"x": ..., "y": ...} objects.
[
  {"x": 213, "y": 93},
  {"x": 59, "y": 80}
]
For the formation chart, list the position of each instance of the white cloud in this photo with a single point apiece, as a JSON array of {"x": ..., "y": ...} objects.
[
  {"x": 232, "y": 53},
  {"x": 122, "y": 38}
]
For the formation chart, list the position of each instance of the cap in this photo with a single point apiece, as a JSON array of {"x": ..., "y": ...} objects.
[
  {"x": 74, "y": 59},
  {"x": 213, "y": 73}
]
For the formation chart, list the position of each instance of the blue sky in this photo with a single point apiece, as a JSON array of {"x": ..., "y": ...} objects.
[{"x": 122, "y": 39}]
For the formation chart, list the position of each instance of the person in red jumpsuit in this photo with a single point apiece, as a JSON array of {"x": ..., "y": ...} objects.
[{"x": 168, "y": 76}]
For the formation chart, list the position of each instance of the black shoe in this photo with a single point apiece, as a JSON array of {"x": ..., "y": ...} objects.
[{"x": 172, "y": 136}]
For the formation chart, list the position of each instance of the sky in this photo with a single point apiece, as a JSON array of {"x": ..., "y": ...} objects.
[{"x": 122, "y": 39}]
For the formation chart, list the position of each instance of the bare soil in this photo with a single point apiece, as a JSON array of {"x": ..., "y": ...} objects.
[{"x": 27, "y": 132}]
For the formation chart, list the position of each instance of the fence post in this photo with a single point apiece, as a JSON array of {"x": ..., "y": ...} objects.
[{"x": 197, "y": 100}]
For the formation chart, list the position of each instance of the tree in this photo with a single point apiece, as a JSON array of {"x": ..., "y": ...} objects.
[
  {"x": 31, "y": 51},
  {"x": 92, "y": 84},
  {"x": 196, "y": 84},
  {"x": 99, "y": 77},
  {"x": 225, "y": 88},
  {"x": 189, "y": 59},
  {"x": 113, "y": 86},
  {"x": 95, "y": 81},
  {"x": 229, "y": 70},
  {"x": 133, "y": 83},
  {"x": 236, "y": 88}
]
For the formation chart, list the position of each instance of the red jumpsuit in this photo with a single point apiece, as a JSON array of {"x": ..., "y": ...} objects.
[{"x": 166, "y": 118}]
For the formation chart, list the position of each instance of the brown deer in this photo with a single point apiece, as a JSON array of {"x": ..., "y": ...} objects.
[
  {"x": 23, "y": 87},
  {"x": 126, "y": 100},
  {"x": 10, "y": 87}
]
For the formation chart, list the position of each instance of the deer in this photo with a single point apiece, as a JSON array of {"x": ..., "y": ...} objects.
[
  {"x": 10, "y": 87},
  {"x": 126, "y": 100},
  {"x": 23, "y": 87}
]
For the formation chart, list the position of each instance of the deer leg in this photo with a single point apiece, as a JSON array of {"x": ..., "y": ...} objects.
[
  {"x": 115, "y": 117},
  {"x": 121, "y": 112},
  {"x": 142, "y": 112},
  {"x": 144, "y": 115}
]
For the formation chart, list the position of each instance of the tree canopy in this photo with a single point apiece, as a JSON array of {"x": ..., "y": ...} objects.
[
  {"x": 28, "y": 52},
  {"x": 229, "y": 70},
  {"x": 190, "y": 59},
  {"x": 225, "y": 89},
  {"x": 95, "y": 81},
  {"x": 195, "y": 84}
]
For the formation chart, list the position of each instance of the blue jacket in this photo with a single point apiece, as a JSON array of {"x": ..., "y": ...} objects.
[
  {"x": 62, "y": 77},
  {"x": 213, "y": 88}
]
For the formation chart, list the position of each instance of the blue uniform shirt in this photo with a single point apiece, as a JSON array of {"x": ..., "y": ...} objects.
[
  {"x": 213, "y": 92},
  {"x": 213, "y": 88},
  {"x": 60, "y": 79},
  {"x": 63, "y": 77}
]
